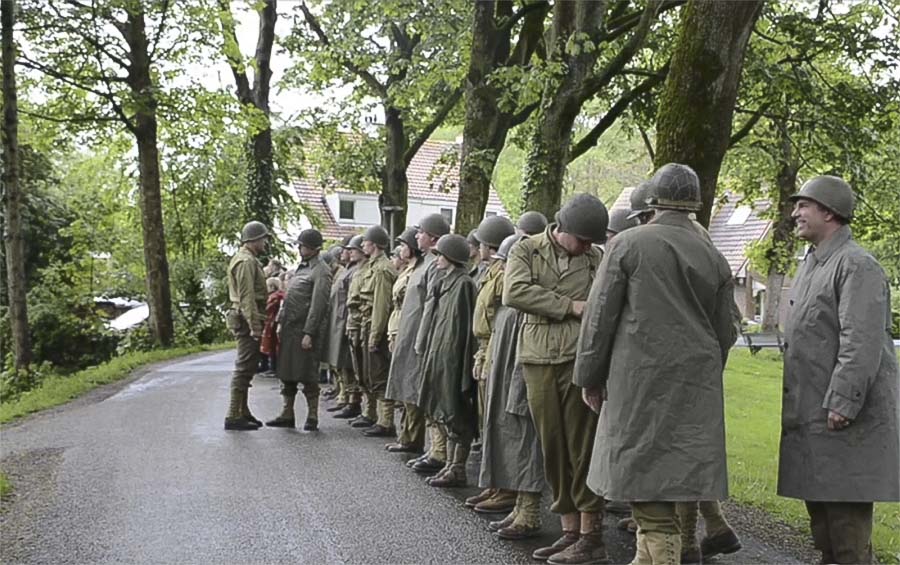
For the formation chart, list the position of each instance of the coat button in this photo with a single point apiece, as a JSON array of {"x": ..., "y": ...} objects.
[{"x": 791, "y": 301}]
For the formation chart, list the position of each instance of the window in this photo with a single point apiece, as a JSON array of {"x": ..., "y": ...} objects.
[
  {"x": 448, "y": 214},
  {"x": 739, "y": 216},
  {"x": 347, "y": 210}
]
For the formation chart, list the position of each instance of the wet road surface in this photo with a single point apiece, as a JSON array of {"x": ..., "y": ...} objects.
[{"x": 144, "y": 473}]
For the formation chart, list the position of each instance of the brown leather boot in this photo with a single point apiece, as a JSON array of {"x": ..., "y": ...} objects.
[
  {"x": 472, "y": 501},
  {"x": 568, "y": 539},
  {"x": 527, "y": 522},
  {"x": 589, "y": 548},
  {"x": 502, "y": 501},
  {"x": 454, "y": 476},
  {"x": 500, "y": 524}
]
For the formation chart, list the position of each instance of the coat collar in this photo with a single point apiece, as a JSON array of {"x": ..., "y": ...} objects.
[
  {"x": 672, "y": 218},
  {"x": 310, "y": 263},
  {"x": 827, "y": 248}
]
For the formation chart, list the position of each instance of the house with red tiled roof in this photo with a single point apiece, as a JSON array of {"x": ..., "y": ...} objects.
[
  {"x": 433, "y": 188},
  {"x": 732, "y": 227}
]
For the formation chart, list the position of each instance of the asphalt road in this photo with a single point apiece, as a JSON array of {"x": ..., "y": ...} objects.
[{"x": 143, "y": 472}]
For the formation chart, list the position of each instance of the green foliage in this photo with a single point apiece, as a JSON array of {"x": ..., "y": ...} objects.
[
  {"x": 59, "y": 389},
  {"x": 5, "y": 486},
  {"x": 753, "y": 430}
]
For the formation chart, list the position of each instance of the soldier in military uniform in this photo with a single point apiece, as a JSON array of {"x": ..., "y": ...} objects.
[
  {"x": 447, "y": 347},
  {"x": 491, "y": 233},
  {"x": 336, "y": 325},
  {"x": 356, "y": 260},
  {"x": 619, "y": 221},
  {"x": 531, "y": 223},
  {"x": 302, "y": 324},
  {"x": 371, "y": 300},
  {"x": 405, "y": 377},
  {"x": 840, "y": 442},
  {"x": 640, "y": 208},
  {"x": 246, "y": 319},
  {"x": 477, "y": 265},
  {"x": 657, "y": 330},
  {"x": 547, "y": 278}
]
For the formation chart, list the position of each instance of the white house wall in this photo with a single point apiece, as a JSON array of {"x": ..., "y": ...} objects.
[{"x": 367, "y": 213}]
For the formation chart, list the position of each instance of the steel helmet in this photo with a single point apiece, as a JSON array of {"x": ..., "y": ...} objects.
[
  {"x": 409, "y": 238},
  {"x": 346, "y": 240},
  {"x": 254, "y": 230},
  {"x": 355, "y": 243},
  {"x": 831, "y": 192},
  {"x": 585, "y": 217},
  {"x": 435, "y": 225},
  {"x": 532, "y": 222},
  {"x": 493, "y": 230},
  {"x": 507, "y": 245},
  {"x": 620, "y": 220},
  {"x": 310, "y": 238},
  {"x": 472, "y": 238},
  {"x": 675, "y": 187},
  {"x": 638, "y": 200},
  {"x": 377, "y": 235},
  {"x": 454, "y": 247}
]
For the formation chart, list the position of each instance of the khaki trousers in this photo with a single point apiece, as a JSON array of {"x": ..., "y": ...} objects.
[
  {"x": 247, "y": 360},
  {"x": 413, "y": 430},
  {"x": 842, "y": 531},
  {"x": 566, "y": 428},
  {"x": 658, "y": 535}
]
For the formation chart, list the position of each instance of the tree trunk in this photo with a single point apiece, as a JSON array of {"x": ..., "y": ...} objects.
[
  {"x": 260, "y": 179},
  {"x": 781, "y": 252},
  {"x": 485, "y": 129},
  {"x": 159, "y": 296},
  {"x": 696, "y": 107},
  {"x": 395, "y": 185},
  {"x": 15, "y": 243},
  {"x": 561, "y": 102}
]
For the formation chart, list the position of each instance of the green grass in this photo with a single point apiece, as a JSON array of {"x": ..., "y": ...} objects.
[
  {"x": 753, "y": 424},
  {"x": 5, "y": 487},
  {"x": 56, "y": 390}
]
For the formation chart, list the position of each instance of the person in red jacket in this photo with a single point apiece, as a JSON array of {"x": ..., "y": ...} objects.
[{"x": 268, "y": 345}]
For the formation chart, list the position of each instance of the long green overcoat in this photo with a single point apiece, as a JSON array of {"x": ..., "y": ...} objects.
[
  {"x": 404, "y": 377},
  {"x": 447, "y": 346},
  {"x": 338, "y": 353},
  {"x": 656, "y": 334},
  {"x": 304, "y": 312},
  {"x": 511, "y": 456},
  {"x": 839, "y": 356}
]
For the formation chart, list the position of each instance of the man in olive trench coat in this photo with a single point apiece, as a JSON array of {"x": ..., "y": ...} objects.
[{"x": 840, "y": 446}]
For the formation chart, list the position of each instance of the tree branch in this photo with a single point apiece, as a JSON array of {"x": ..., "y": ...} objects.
[
  {"x": 507, "y": 23},
  {"x": 74, "y": 119},
  {"x": 229, "y": 36},
  {"x": 365, "y": 75},
  {"x": 626, "y": 23},
  {"x": 617, "y": 109},
  {"x": 160, "y": 30},
  {"x": 530, "y": 35},
  {"x": 647, "y": 144},
  {"x": 599, "y": 81},
  {"x": 436, "y": 121},
  {"x": 522, "y": 115},
  {"x": 748, "y": 126},
  {"x": 264, "y": 42}
]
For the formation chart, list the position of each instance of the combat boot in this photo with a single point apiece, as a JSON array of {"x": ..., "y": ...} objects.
[
  {"x": 337, "y": 407},
  {"x": 527, "y": 522},
  {"x": 472, "y": 501},
  {"x": 568, "y": 539},
  {"x": 627, "y": 524},
  {"x": 687, "y": 519},
  {"x": 349, "y": 411},
  {"x": 245, "y": 410},
  {"x": 720, "y": 538},
  {"x": 455, "y": 475},
  {"x": 379, "y": 430},
  {"x": 589, "y": 548},
  {"x": 286, "y": 418},
  {"x": 501, "y": 501},
  {"x": 362, "y": 422},
  {"x": 662, "y": 548},
  {"x": 312, "y": 409},
  {"x": 234, "y": 420},
  {"x": 398, "y": 447},
  {"x": 507, "y": 521}
]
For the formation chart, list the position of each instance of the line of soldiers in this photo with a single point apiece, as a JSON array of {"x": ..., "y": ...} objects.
[{"x": 596, "y": 370}]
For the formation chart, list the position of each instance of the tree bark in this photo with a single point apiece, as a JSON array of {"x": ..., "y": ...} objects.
[
  {"x": 781, "y": 251},
  {"x": 15, "y": 243},
  {"x": 697, "y": 104},
  {"x": 395, "y": 184},
  {"x": 159, "y": 296}
]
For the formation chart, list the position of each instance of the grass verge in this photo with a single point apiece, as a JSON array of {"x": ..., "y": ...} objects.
[
  {"x": 753, "y": 427},
  {"x": 5, "y": 487},
  {"x": 56, "y": 390}
]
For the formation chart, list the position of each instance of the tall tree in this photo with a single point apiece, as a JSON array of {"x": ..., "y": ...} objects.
[
  {"x": 491, "y": 109},
  {"x": 589, "y": 45},
  {"x": 260, "y": 176},
  {"x": 15, "y": 243},
  {"x": 697, "y": 104},
  {"x": 102, "y": 61},
  {"x": 405, "y": 54}
]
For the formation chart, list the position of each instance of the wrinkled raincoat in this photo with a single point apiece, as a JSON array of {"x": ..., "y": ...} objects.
[
  {"x": 839, "y": 356},
  {"x": 490, "y": 296},
  {"x": 542, "y": 281},
  {"x": 656, "y": 333},
  {"x": 338, "y": 354},
  {"x": 304, "y": 312},
  {"x": 447, "y": 346},
  {"x": 511, "y": 455},
  {"x": 404, "y": 377}
]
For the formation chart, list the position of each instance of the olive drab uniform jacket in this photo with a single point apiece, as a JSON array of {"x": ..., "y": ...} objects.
[
  {"x": 354, "y": 315},
  {"x": 247, "y": 291},
  {"x": 839, "y": 356},
  {"x": 490, "y": 296},
  {"x": 398, "y": 294},
  {"x": 656, "y": 333},
  {"x": 374, "y": 299},
  {"x": 542, "y": 281},
  {"x": 304, "y": 312}
]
